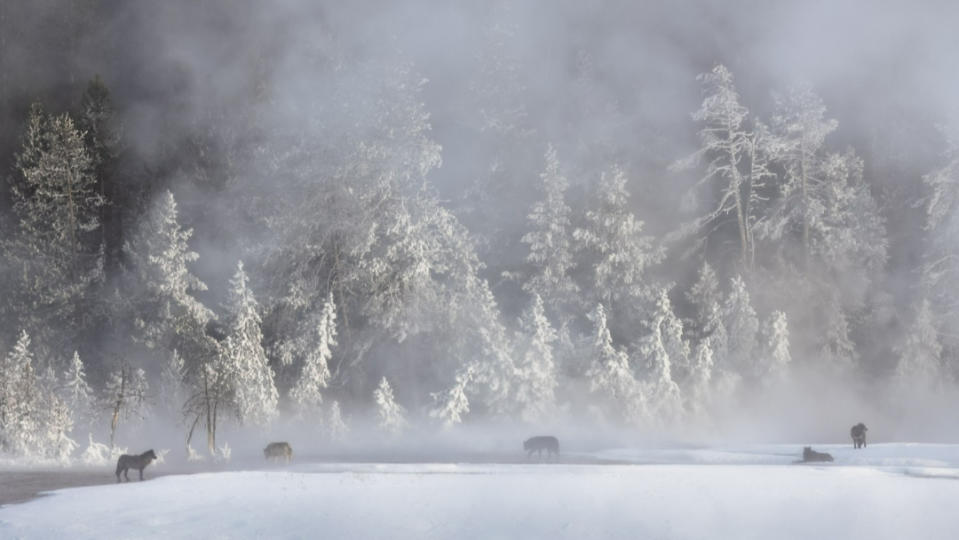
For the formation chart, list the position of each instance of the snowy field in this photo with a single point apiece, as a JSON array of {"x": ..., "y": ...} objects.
[{"x": 886, "y": 491}]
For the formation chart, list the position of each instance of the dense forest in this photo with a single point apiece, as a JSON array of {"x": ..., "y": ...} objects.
[{"x": 223, "y": 213}]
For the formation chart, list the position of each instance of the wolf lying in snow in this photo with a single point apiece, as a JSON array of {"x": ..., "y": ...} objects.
[{"x": 808, "y": 454}]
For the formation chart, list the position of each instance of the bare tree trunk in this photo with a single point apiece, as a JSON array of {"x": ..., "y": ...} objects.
[
  {"x": 210, "y": 426},
  {"x": 803, "y": 182},
  {"x": 189, "y": 436},
  {"x": 118, "y": 406},
  {"x": 736, "y": 185}
]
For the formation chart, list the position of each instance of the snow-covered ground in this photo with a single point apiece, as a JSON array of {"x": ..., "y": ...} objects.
[{"x": 884, "y": 491}]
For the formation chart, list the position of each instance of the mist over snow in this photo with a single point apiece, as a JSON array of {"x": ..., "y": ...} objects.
[{"x": 380, "y": 228}]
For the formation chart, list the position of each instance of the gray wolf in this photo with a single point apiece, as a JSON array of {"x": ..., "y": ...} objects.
[
  {"x": 127, "y": 462},
  {"x": 540, "y": 443}
]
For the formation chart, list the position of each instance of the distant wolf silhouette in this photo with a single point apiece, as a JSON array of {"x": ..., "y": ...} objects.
[
  {"x": 858, "y": 433},
  {"x": 278, "y": 450},
  {"x": 540, "y": 443},
  {"x": 808, "y": 454},
  {"x": 127, "y": 462}
]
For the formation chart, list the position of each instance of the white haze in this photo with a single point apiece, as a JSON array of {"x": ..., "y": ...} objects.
[{"x": 604, "y": 83}]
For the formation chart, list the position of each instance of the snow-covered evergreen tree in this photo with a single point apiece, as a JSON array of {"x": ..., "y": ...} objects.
[
  {"x": 610, "y": 376},
  {"x": 550, "y": 253},
  {"x": 941, "y": 265},
  {"x": 848, "y": 230},
  {"x": 742, "y": 327},
  {"x": 391, "y": 416},
  {"x": 776, "y": 349},
  {"x": 54, "y": 418},
  {"x": 802, "y": 127},
  {"x": 166, "y": 312},
  {"x": 452, "y": 405},
  {"x": 714, "y": 329},
  {"x": 920, "y": 355},
  {"x": 613, "y": 246},
  {"x": 335, "y": 425},
  {"x": 702, "y": 295},
  {"x": 19, "y": 423},
  {"x": 315, "y": 373},
  {"x": 77, "y": 393},
  {"x": 483, "y": 337},
  {"x": 54, "y": 253},
  {"x": 837, "y": 350},
  {"x": 536, "y": 370},
  {"x": 672, "y": 332},
  {"x": 697, "y": 390},
  {"x": 727, "y": 145},
  {"x": 656, "y": 351},
  {"x": 254, "y": 392}
]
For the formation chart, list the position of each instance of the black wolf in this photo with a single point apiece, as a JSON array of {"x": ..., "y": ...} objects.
[
  {"x": 540, "y": 443},
  {"x": 278, "y": 450},
  {"x": 808, "y": 454},
  {"x": 127, "y": 462},
  {"x": 858, "y": 433}
]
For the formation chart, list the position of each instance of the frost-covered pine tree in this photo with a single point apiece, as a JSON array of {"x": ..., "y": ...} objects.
[
  {"x": 536, "y": 370},
  {"x": 550, "y": 253},
  {"x": 610, "y": 376},
  {"x": 77, "y": 393},
  {"x": 849, "y": 232},
  {"x": 837, "y": 351},
  {"x": 391, "y": 417},
  {"x": 315, "y": 373},
  {"x": 54, "y": 418},
  {"x": 254, "y": 392},
  {"x": 726, "y": 147},
  {"x": 714, "y": 329},
  {"x": 483, "y": 337},
  {"x": 742, "y": 327},
  {"x": 672, "y": 331},
  {"x": 613, "y": 246},
  {"x": 940, "y": 268},
  {"x": 655, "y": 351},
  {"x": 19, "y": 423},
  {"x": 776, "y": 349},
  {"x": 697, "y": 390},
  {"x": 166, "y": 312},
  {"x": 453, "y": 404},
  {"x": 54, "y": 253},
  {"x": 702, "y": 295},
  {"x": 801, "y": 125},
  {"x": 335, "y": 425},
  {"x": 920, "y": 355}
]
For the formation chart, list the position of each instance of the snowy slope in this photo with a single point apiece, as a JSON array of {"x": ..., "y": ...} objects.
[
  {"x": 875, "y": 455},
  {"x": 505, "y": 501}
]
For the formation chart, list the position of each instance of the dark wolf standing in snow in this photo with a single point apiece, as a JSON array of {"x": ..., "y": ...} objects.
[
  {"x": 540, "y": 443},
  {"x": 858, "y": 433},
  {"x": 127, "y": 462},
  {"x": 278, "y": 450},
  {"x": 808, "y": 454}
]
